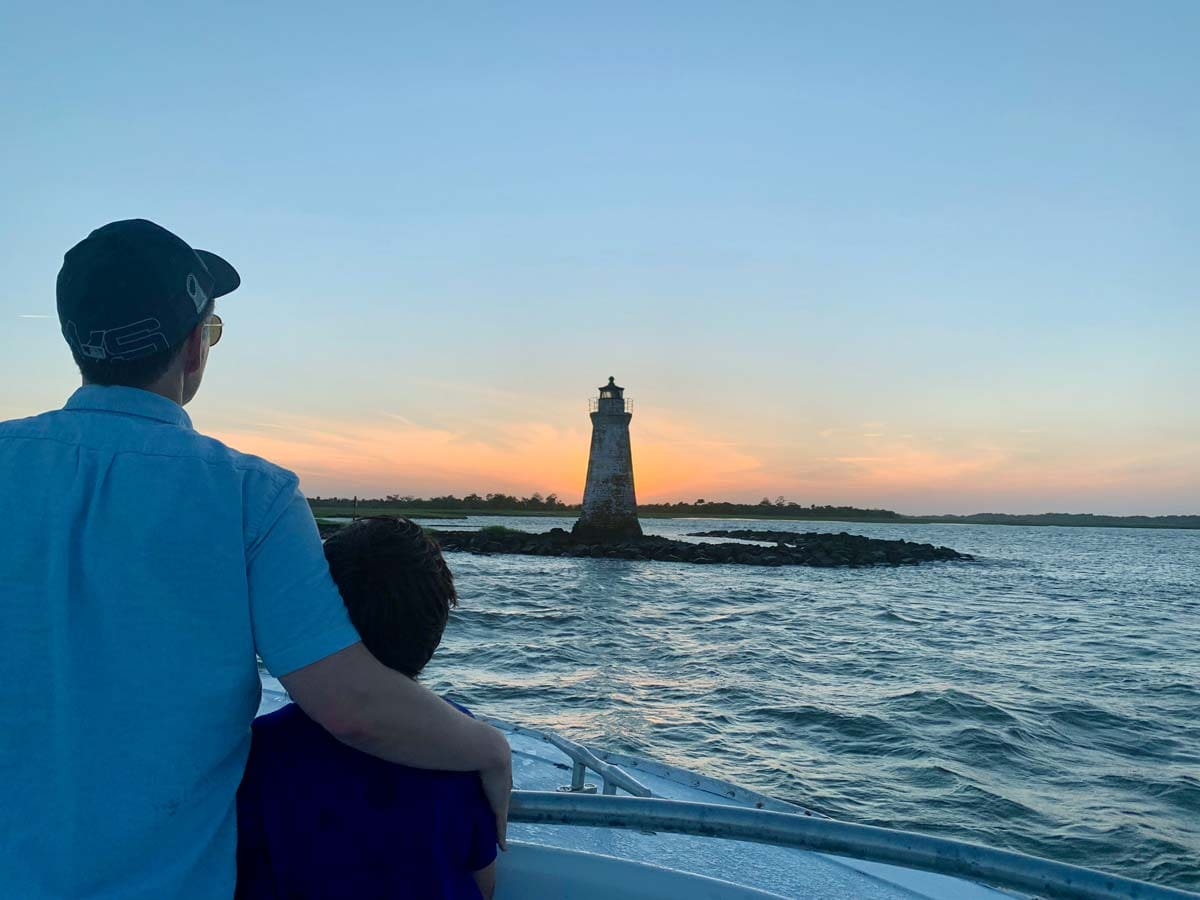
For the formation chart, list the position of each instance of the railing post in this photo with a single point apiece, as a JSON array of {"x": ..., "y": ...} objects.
[
  {"x": 582, "y": 759},
  {"x": 578, "y": 785}
]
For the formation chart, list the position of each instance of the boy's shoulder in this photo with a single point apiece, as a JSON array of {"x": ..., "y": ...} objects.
[
  {"x": 288, "y": 747},
  {"x": 286, "y": 731}
]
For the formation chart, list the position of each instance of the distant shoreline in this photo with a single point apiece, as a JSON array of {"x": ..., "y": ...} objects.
[{"x": 323, "y": 510}]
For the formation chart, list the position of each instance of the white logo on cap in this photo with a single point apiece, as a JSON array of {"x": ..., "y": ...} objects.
[
  {"x": 196, "y": 292},
  {"x": 128, "y": 342}
]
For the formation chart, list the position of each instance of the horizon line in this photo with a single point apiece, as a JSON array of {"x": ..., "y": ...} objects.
[{"x": 412, "y": 501}]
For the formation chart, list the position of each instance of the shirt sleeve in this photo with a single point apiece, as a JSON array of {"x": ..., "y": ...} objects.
[
  {"x": 481, "y": 849},
  {"x": 295, "y": 610}
]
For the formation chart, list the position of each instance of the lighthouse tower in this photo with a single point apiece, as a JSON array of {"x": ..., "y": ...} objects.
[{"x": 609, "y": 506}]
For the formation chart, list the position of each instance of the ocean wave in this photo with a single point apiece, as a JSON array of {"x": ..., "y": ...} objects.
[
  {"x": 1044, "y": 699},
  {"x": 949, "y": 705}
]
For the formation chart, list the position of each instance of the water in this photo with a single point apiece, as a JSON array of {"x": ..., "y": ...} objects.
[{"x": 1044, "y": 699}]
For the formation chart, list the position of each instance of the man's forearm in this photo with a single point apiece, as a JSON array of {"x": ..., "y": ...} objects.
[
  {"x": 381, "y": 712},
  {"x": 406, "y": 723}
]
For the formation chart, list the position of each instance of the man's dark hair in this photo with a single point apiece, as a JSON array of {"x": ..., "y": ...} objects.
[
  {"x": 396, "y": 587},
  {"x": 136, "y": 373}
]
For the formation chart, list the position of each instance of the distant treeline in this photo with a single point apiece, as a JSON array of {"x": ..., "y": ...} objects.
[
  {"x": 534, "y": 503},
  {"x": 1073, "y": 520},
  {"x": 768, "y": 509},
  {"x": 779, "y": 508},
  {"x": 765, "y": 508}
]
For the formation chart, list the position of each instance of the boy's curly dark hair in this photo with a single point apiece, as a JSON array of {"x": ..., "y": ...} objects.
[{"x": 396, "y": 587}]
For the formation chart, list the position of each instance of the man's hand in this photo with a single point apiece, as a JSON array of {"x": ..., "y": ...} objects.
[{"x": 497, "y": 787}]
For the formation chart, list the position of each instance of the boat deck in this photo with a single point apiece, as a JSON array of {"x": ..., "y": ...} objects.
[{"x": 540, "y": 763}]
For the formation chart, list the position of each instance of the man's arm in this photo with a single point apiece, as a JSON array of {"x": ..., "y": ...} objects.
[{"x": 374, "y": 709}]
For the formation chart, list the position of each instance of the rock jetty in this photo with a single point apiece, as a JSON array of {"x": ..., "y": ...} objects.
[
  {"x": 789, "y": 548},
  {"x": 862, "y": 551}
]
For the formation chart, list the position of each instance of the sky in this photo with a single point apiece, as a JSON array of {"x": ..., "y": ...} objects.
[{"x": 934, "y": 257}]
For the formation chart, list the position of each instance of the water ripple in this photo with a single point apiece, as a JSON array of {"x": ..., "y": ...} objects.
[{"x": 1044, "y": 699}]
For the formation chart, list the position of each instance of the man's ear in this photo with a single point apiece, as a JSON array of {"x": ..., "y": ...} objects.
[{"x": 193, "y": 350}]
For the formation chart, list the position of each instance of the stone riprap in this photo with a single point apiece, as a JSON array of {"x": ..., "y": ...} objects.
[
  {"x": 875, "y": 551},
  {"x": 824, "y": 550}
]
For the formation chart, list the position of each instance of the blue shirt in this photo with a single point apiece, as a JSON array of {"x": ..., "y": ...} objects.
[
  {"x": 318, "y": 820},
  {"x": 142, "y": 567}
]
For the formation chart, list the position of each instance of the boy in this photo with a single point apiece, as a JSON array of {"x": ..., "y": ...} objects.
[{"x": 319, "y": 819}]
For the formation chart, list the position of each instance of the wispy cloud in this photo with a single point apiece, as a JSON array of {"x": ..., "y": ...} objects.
[{"x": 31, "y": 316}]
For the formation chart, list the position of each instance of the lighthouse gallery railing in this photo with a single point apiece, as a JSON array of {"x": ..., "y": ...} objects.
[{"x": 594, "y": 404}]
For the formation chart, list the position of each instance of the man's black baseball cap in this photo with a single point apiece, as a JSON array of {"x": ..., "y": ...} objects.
[{"x": 131, "y": 288}]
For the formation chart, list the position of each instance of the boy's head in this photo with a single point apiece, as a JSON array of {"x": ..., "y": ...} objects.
[{"x": 396, "y": 587}]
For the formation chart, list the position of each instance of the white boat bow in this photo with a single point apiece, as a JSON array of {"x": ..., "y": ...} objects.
[{"x": 679, "y": 834}]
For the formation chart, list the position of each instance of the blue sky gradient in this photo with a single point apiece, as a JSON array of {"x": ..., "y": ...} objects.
[{"x": 931, "y": 256}]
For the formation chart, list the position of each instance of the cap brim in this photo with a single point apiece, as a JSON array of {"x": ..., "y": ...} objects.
[{"x": 225, "y": 277}]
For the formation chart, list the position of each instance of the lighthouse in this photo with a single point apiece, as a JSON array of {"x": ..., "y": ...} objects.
[{"x": 609, "y": 505}]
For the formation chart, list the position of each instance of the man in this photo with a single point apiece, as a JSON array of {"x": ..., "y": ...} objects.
[{"x": 145, "y": 567}]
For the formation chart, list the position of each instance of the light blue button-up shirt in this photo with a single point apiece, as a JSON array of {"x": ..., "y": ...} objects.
[{"x": 142, "y": 566}]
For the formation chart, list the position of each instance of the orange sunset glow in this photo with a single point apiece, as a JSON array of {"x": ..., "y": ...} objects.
[
  {"x": 677, "y": 459},
  {"x": 397, "y": 456}
]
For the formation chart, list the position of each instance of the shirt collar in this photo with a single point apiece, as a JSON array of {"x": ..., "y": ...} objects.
[{"x": 128, "y": 401}]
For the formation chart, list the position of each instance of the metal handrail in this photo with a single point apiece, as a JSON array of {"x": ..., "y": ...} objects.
[
  {"x": 662, "y": 770},
  {"x": 1001, "y": 868},
  {"x": 613, "y": 777}
]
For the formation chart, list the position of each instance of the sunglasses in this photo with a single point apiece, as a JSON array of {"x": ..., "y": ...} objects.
[{"x": 215, "y": 327}]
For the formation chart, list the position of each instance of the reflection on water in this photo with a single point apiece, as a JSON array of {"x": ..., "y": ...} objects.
[{"x": 1045, "y": 698}]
